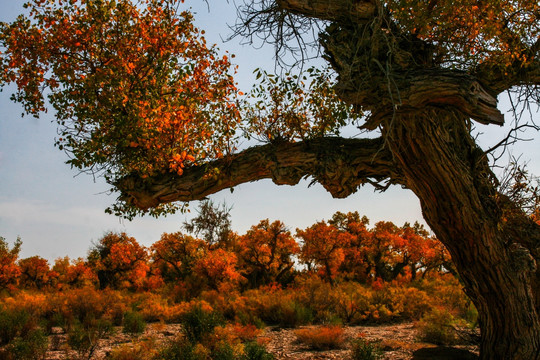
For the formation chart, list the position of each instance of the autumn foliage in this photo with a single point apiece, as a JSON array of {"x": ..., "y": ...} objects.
[
  {"x": 124, "y": 104},
  {"x": 339, "y": 271},
  {"x": 472, "y": 33},
  {"x": 340, "y": 250},
  {"x": 267, "y": 253}
]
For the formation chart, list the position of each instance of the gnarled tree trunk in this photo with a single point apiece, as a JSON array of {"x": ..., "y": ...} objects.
[{"x": 443, "y": 166}]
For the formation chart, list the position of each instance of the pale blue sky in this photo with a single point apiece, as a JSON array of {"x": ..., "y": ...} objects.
[{"x": 57, "y": 213}]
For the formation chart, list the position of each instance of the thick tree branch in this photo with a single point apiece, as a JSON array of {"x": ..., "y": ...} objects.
[
  {"x": 340, "y": 165},
  {"x": 333, "y": 10},
  {"x": 419, "y": 89},
  {"x": 502, "y": 78}
]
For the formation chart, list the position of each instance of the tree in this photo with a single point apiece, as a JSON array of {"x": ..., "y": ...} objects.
[
  {"x": 387, "y": 251},
  {"x": 218, "y": 270},
  {"x": 119, "y": 261},
  {"x": 354, "y": 265},
  {"x": 35, "y": 272},
  {"x": 424, "y": 252},
  {"x": 139, "y": 96},
  {"x": 176, "y": 254},
  {"x": 266, "y": 253},
  {"x": 212, "y": 223},
  {"x": 74, "y": 273},
  {"x": 9, "y": 270},
  {"x": 323, "y": 248}
]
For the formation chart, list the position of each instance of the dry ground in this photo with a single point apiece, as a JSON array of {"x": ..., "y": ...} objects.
[{"x": 398, "y": 342}]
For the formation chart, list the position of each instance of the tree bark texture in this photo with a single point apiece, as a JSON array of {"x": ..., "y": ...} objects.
[
  {"x": 447, "y": 171},
  {"x": 340, "y": 165}
]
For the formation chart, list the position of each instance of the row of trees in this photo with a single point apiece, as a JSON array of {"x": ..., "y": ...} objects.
[{"x": 341, "y": 248}]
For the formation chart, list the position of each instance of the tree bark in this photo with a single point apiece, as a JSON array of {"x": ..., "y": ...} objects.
[
  {"x": 451, "y": 177},
  {"x": 340, "y": 165}
]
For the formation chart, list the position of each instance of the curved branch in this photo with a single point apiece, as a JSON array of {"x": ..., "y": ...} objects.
[
  {"x": 340, "y": 165},
  {"x": 502, "y": 78},
  {"x": 418, "y": 89}
]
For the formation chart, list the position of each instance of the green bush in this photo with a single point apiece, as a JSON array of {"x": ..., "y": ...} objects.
[
  {"x": 178, "y": 349},
  {"x": 223, "y": 351},
  {"x": 437, "y": 328},
  {"x": 133, "y": 323},
  {"x": 84, "y": 337},
  {"x": 248, "y": 318},
  {"x": 197, "y": 323},
  {"x": 290, "y": 314},
  {"x": 32, "y": 347},
  {"x": 140, "y": 350},
  {"x": 364, "y": 350},
  {"x": 255, "y": 351},
  {"x": 14, "y": 324}
]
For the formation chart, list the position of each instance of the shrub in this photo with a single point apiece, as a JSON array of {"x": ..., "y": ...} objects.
[
  {"x": 245, "y": 318},
  {"x": 445, "y": 290},
  {"x": 276, "y": 307},
  {"x": 319, "y": 296},
  {"x": 32, "y": 346},
  {"x": 133, "y": 323},
  {"x": 144, "y": 350},
  {"x": 154, "y": 307},
  {"x": 199, "y": 322},
  {"x": 223, "y": 351},
  {"x": 84, "y": 337},
  {"x": 245, "y": 332},
  {"x": 289, "y": 314},
  {"x": 410, "y": 303},
  {"x": 14, "y": 324},
  {"x": 179, "y": 349},
  {"x": 255, "y": 351},
  {"x": 364, "y": 350},
  {"x": 352, "y": 302},
  {"x": 471, "y": 315},
  {"x": 437, "y": 328},
  {"x": 322, "y": 338},
  {"x": 78, "y": 305}
]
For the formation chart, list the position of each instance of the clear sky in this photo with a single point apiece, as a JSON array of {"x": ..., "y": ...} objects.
[{"x": 57, "y": 212}]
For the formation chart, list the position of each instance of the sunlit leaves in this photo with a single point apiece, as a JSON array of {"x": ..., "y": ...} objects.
[
  {"x": 9, "y": 271},
  {"x": 292, "y": 107},
  {"x": 119, "y": 261},
  {"x": 323, "y": 248},
  {"x": 176, "y": 254},
  {"x": 35, "y": 272},
  {"x": 267, "y": 252},
  {"x": 135, "y": 87},
  {"x": 471, "y": 32},
  {"x": 345, "y": 246},
  {"x": 218, "y": 269}
]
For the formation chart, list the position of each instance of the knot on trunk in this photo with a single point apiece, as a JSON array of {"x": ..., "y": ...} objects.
[{"x": 522, "y": 260}]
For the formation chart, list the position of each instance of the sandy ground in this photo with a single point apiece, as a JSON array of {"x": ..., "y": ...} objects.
[{"x": 398, "y": 342}]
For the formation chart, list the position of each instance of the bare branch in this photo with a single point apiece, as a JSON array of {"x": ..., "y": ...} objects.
[{"x": 294, "y": 37}]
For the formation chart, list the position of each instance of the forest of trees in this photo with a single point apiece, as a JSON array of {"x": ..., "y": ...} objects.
[
  {"x": 343, "y": 248},
  {"x": 333, "y": 273},
  {"x": 143, "y": 101}
]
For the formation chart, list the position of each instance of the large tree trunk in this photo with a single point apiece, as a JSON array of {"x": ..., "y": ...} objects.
[{"x": 447, "y": 171}]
